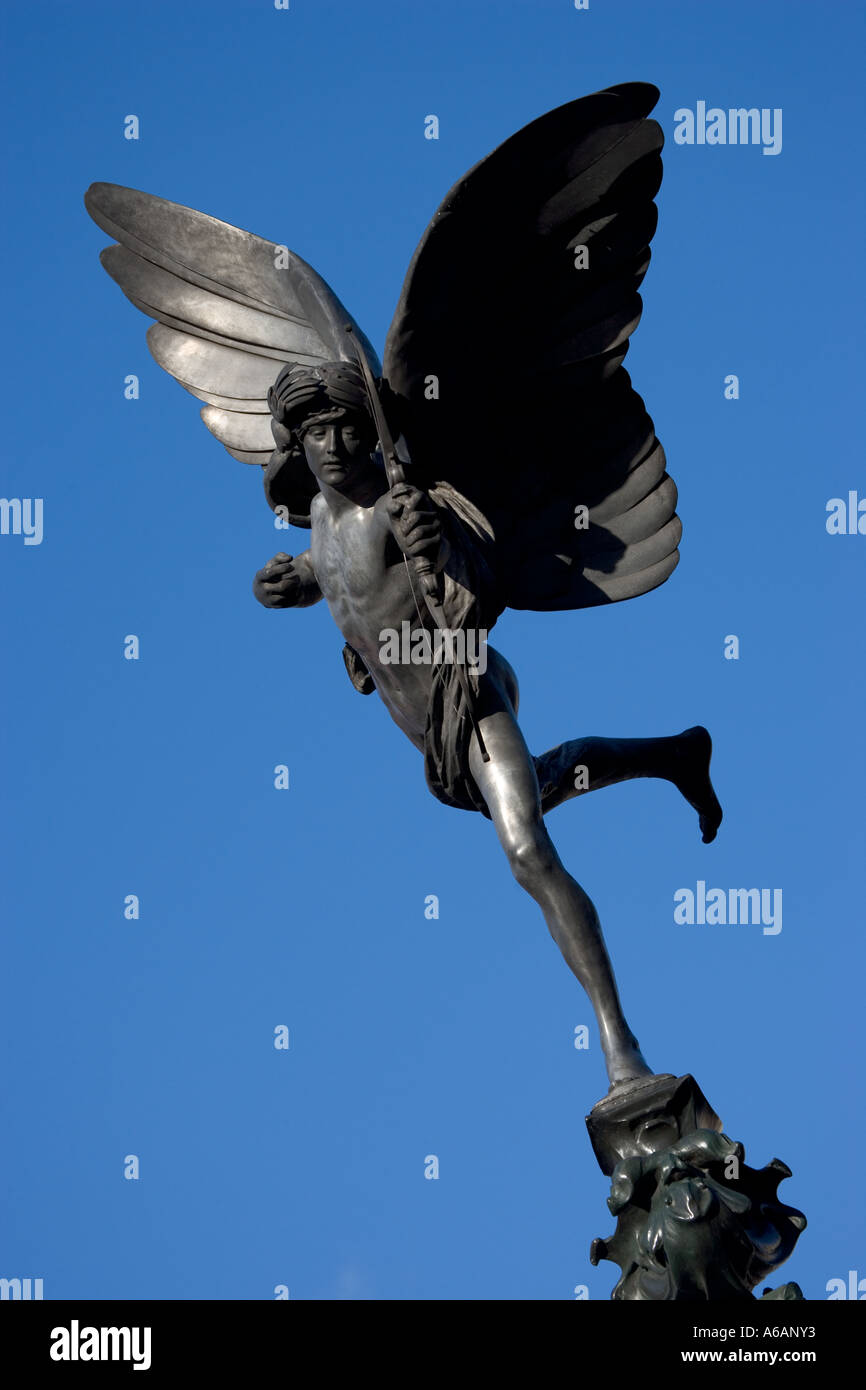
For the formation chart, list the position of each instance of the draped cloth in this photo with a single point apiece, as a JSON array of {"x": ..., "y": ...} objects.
[
  {"x": 470, "y": 601},
  {"x": 446, "y": 741}
]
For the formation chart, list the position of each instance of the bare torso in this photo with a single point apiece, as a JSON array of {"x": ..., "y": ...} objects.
[{"x": 365, "y": 582}]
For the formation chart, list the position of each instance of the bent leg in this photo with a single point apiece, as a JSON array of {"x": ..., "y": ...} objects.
[
  {"x": 509, "y": 786},
  {"x": 585, "y": 764}
]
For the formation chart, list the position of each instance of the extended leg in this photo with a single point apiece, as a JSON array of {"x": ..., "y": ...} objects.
[
  {"x": 585, "y": 764},
  {"x": 509, "y": 786}
]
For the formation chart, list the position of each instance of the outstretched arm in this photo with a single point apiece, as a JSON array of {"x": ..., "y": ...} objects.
[{"x": 287, "y": 582}]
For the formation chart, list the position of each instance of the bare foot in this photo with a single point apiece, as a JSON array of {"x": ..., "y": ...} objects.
[{"x": 690, "y": 772}]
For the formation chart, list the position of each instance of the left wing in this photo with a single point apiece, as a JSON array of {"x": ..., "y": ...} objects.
[{"x": 504, "y": 358}]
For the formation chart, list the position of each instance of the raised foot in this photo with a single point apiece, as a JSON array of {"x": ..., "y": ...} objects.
[{"x": 691, "y": 774}]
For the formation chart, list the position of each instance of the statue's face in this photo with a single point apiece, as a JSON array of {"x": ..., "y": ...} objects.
[{"x": 338, "y": 451}]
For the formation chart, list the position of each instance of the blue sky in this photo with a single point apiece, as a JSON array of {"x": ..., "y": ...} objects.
[{"x": 305, "y": 908}]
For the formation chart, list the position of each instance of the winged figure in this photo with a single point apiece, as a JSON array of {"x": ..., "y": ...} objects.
[{"x": 498, "y": 457}]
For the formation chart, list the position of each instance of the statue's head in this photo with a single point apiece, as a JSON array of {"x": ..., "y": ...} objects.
[
  {"x": 337, "y": 445},
  {"x": 324, "y": 432}
]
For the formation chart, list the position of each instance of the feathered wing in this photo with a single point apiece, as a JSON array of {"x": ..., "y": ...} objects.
[
  {"x": 504, "y": 358},
  {"x": 232, "y": 309}
]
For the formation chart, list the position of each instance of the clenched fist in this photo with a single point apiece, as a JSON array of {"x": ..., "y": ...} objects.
[{"x": 278, "y": 585}]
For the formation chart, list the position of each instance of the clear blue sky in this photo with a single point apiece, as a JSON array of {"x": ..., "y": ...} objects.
[{"x": 306, "y": 908}]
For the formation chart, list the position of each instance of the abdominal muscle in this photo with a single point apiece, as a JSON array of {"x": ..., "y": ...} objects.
[{"x": 377, "y": 597}]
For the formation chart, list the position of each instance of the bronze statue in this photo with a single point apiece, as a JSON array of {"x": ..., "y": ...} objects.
[
  {"x": 499, "y": 458},
  {"x": 502, "y": 458}
]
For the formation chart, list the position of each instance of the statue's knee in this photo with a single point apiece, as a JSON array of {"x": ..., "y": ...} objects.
[{"x": 531, "y": 858}]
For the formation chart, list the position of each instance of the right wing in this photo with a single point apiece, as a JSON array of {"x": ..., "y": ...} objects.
[{"x": 232, "y": 309}]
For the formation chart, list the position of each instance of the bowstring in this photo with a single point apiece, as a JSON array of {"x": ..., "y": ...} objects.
[{"x": 421, "y": 621}]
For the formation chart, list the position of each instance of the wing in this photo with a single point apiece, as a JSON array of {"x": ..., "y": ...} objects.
[
  {"x": 504, "y": 358},
  {"x": 232, "y": 309}
]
